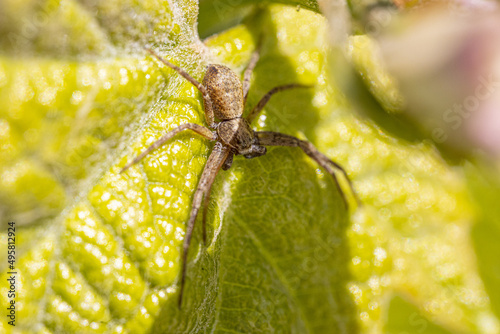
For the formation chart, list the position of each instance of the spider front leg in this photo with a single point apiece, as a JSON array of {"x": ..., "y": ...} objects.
[
  {"x": 207, "y": 133},
  {"x": 209, "y": 113},
  {"x": 279, "y": 139},
  {"x": 226, "y": 164},
  {"x": 248, "y": 71},
  {"x": 263, "y": 101},
  {"x": 214, "y": 163}
]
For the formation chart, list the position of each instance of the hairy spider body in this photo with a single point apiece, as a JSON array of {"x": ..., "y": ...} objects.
[
  {"x": 225, "y": 90},
  {"x": 224, "y": 96}
]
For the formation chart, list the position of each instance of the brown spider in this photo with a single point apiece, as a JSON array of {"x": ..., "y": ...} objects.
[{"x": 225, "y": 97}]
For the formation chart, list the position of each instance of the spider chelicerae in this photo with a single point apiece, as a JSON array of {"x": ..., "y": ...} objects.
[{"x": 225, "y": 96}]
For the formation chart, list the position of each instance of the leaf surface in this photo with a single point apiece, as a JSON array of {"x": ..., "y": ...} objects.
[{"x": 98, "y": 251}]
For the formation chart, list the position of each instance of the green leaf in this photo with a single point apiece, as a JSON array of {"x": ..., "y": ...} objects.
[
  {"x": 218, "y": 15},
  {"x": 403, "y": 317},
  {"x": 110, "y": 260},
  {"x": 98, "y": 251},
  {"x": 485, "y": 188}
]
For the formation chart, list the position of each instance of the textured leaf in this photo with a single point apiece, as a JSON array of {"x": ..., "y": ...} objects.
[
  {"x": 99, "y": 251},
  {"x": 110, "y": 260}
]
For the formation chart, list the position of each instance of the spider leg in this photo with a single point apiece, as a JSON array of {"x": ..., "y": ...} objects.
[
  {"x": 279, "y": 139},
  {"x": 217, "y": 157},
  {"x": 248, "y": 71},
  {"x": 191, "y": 126},
  {"x": 229, "y": 161},
  {"x": 209, "y": 113},
  {"x": 224, "y": 163},
  {"x": 263, "y": 101}
]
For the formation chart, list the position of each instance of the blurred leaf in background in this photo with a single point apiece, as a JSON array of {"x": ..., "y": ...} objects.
[
  {"x": 99, "y": 251},
  {"x": 448, "y": 69}
]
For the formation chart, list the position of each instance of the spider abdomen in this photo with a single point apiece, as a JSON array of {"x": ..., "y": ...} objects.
[{"x": 225, "y": 90}]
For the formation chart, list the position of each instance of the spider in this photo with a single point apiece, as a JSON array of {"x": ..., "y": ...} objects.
[{"x": 225, "y": 96}]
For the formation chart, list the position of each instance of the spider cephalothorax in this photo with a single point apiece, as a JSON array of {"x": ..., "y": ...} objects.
[{"x": 224, "y": 96}]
